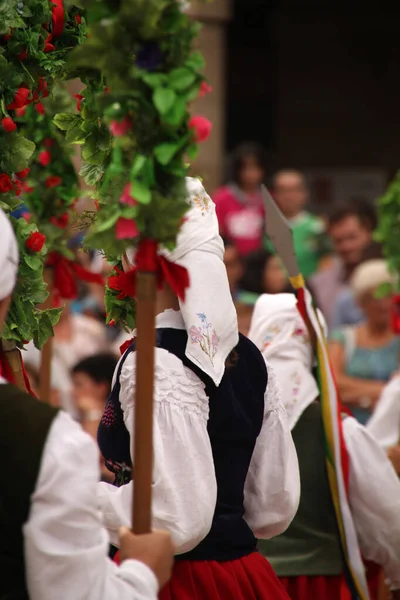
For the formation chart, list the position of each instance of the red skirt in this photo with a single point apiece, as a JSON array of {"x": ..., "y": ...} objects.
[
  {"x": 329, "y": 588},
  {"x": 248, "y": 578},
  {"x": 321, "y": 588}
]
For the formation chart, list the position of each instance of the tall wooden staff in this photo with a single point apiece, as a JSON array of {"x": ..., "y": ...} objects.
[
  {"x": 146, "y": 286},
  {"x": 47, "y": 350}
]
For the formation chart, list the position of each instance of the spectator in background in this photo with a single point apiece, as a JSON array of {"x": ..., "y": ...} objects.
[
  {"x": 346, "y": 310},
  {"x": 234, "y": 266},
  {"x": 91, "y": 386},
  {"x": 239, "y": 204},
  {"x": 263, "y": 274},
  {"x": 290, "y": 192},
  {"x": 350, "y": 229},
  {"x": 364, "y": 357}
]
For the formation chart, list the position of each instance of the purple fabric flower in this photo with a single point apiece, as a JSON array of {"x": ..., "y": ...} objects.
[{"x": 149, "y": 56}]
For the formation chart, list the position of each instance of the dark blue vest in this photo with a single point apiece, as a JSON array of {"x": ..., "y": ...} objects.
[{"x": 235, "y": 421}]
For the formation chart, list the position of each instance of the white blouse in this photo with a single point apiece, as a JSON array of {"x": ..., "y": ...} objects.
[
  {"x": 66, "y": 545},
  {"x": 184, "y": 484},
  {"x": 374, "y": 494},
  {"x": 384, "y": 424}
]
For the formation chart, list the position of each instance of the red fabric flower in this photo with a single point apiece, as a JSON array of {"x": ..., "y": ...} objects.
[
  {"x": 23, "y": 55},
  {"x": 26, "y": 188},
  {"x": 61, "y": 221},
  {"x": 35, "y": 241},
  {"x": 78, "y": 19},
  {"x": 58, "y": 17},
  {"x": 17, "y": 187},
  {"x": 205, "y": 89},
  {"x": 8, "y": 124},
  {"x": 79, "y": 98},
  {"x": 96, "y": 203},
  {"x": 201, "y": 128},
  {"x": 112, "y": 323},
  {"x": 126, "y": 229},
  {"x": 53, "y": 181},
  {"x": 126, "y": 197},
  {"x": 48, "y": 47},
  {"x": 119, "y": 128},
  {"x": 48, "y": 142},
  {"x": 21, "y": 99},
  {"x": 39, "y": 108},
  {"x": 7, "y": 37},
  {"x": 6, "y": 185},
  {"x": 19, "y": 112},
  {"x": 42, "y": 88},
  {"x": 44, "y": 158},
  {"x": 23, "y": 174}
]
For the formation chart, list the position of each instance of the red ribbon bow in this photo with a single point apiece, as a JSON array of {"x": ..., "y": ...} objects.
[
  {"x": 148, "y": 261},
  {"x": 124, "y": 347},
  {"x": 66, "y": 273},
  {"x": 7, "y": 373}
]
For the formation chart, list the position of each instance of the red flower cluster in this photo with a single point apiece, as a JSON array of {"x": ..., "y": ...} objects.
[
  {"x": 6, "y": 185},
  {"x": 23, "y": 174},
  {"x": 8, "y": 124},
  {"x": 21, "y": 99},
  {"x": 52, "y": 181},
  {"x": 44, "y": 158},
  {"x": 35, "y": 242},
  {"x": 120, "y": 128},
  {"x": 205, "y": 89},
  {"x": 61, "y": 221},
  {"x": 201, "y": 128}
]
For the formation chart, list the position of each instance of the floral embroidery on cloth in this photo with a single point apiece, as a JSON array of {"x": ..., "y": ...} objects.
[
  {"x": 201, "y": 201},
  {"x": 205, "y": 336},
  {"x": 269, "y": 336}
]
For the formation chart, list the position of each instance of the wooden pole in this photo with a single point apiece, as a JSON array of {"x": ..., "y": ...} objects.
[
  {"x": 146, "y": 288},
  {"x": 13, "y": 357},
  {"x": 47, "y": 350}
]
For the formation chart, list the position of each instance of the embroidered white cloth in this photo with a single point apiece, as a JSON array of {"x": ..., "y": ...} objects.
[
  {"x": 9, "y": 257},
  {"x": 384, "y": 424},
  {"x": 374, "y": 496},
  {"x": 279, "y": 332},
  {"x": 208, "y": 310},
  {"x": 66, "y": 545},
  {"x": 184, "y": 485}
]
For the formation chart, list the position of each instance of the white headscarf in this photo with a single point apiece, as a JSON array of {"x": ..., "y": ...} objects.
[
  {"x": 208, "y": 310},
  {"x": 9, "y": 257},
  {"x": 279, "y": 332}
]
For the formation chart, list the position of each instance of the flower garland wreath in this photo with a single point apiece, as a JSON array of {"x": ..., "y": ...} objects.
[
  {"x": 141, "y": 74},
  {"x": 36, "y": 37}
]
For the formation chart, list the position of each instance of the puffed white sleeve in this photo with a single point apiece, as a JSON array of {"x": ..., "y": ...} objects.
[
  {"x": 184, "y": 483},
  {"x": 374, "y": 494},
  {"x": 272, "y": 489},
  {"x": 384, "y": 424},
  {"x": 66, "y": 545}
]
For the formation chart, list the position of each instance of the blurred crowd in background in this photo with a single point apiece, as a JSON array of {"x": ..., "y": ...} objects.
[{"x": 337, "y": 255}]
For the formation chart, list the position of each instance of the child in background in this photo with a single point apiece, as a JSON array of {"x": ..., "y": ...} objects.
[{"x": 91, "y": 386}]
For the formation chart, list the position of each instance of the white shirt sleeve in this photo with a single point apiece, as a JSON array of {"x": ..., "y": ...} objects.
[
  {"x": 184, "y": 483},
  {"x": 272, "y": 490},
  {"x": 66, "y": 546},
  {"x": 374, "y": 494},
  {"x": 384, "y": 424}
]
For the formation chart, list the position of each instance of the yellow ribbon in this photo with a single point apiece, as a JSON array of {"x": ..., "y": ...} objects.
[{"x": 297, "y": 282}]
